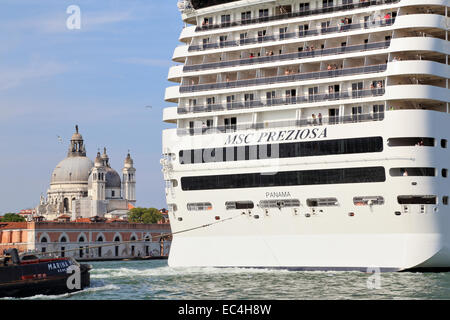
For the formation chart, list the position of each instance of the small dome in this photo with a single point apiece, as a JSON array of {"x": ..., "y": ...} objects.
[
  {"x": 128, "y": 161},
  {"x": 112, "y": 178},
  {"x": 72, "y": 169},
  {"x": 77, "y": 135}
]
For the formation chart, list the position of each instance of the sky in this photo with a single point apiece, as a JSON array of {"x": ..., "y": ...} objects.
[{"x": 108, "y": 77}]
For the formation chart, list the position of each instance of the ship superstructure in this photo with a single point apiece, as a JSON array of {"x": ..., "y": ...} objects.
[{"x": 310, "y": 134}]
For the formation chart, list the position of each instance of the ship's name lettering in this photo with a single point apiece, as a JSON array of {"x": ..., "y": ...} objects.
[
  {"x": 275, "y": 136},
  {"x": 280, "y": 194},
  {"x": 57, "y": 265}
]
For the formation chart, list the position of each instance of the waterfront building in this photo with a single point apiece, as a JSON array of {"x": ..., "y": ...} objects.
[
  {"x": 310, "y": 134},
  {"x": 88, "y": 239}
]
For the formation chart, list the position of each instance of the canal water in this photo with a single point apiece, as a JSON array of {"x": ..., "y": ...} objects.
[{"x": 155, "y": 280}]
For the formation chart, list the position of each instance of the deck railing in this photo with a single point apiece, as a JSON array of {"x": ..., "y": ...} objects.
[
  {"x": 303, "y": 13},
  {"x": 311, "y": 122},
  {"x": 294, "y": 35},
  {"x": 284, "y": 78},
  {"x": 289, "y": 56},
  {"x": 354, "y": 94}
]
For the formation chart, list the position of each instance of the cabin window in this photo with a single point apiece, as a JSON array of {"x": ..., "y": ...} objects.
[
  {"x": 247, "y": 15},
  {"x": 368, "y": 201},
  {"x": 230, "y": 205},
  {"x": 199, "y": 206},
  {"x": 412, "y": 199},
  {"x": 411, "y": 141},
  {"x": 445, "y": 200},
  {"x": 322, "y": 202},
  {"x": 304, "y": 6},
  {"x": 279, "y": 203},
  {"x": 413, "y": 172},
  {"x": 444, "y": 143},
  {"x": 327, "y": 3},
  {"x": 444, "y": 173},
  {"x": 225, "y": 18},
  {"x": 263, "y": 13},
  {"x": 285, "y": 178}
]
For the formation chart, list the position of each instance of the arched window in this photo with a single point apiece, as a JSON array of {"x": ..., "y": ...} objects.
[
  {"x": 100, "y": 239},
  {"x": 63, "y": 239},
  {"x": 66, "y": 204},
  {"x": 133, "y": 238},
  {"x": 44, "y": 239},
  {"x": 81, "y": 239},
  {"x": 117, "y": 239}
]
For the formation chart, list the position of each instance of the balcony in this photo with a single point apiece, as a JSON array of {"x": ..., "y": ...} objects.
[
  {"x": 294, "y": 35},
  {"x": 283, "y": 124},
  {"x": 285, "y": 78},
  {"x": 305, "y": 13},
  {"x": 289, "y": 56},
  {"x": 356, "y": 94}
]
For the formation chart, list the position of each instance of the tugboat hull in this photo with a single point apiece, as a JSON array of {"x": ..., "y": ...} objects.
[
  {"x": 41, "y": 276},
  {"x": 43, "y": 286}
]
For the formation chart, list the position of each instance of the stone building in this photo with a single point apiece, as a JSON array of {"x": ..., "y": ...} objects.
[
  {"x": 80, "y": 188},
  {"x": 93, "y": 240}
]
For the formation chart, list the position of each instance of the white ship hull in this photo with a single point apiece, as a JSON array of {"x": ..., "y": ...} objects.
[{"x": 396, "y": 220}]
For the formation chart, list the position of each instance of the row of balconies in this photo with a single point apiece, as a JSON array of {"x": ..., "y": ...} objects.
[
  {"x": 277, "y": 14},
  {"x": 302, "y": 32},
  {"x": 314, "y": 75},
  {"x": 399, "y": 97},
  {"x": 312, "y": 121},
  {"x": 331, "y": 50},
  {"x": 307, "y": 98},
  {"x": 421, "y": 67},
  {"x": 398, "y": 46},
  {"x": 429, "y": 22},
  {"x": 304, "y": 54},
  {"x": 402, "y": 7}
]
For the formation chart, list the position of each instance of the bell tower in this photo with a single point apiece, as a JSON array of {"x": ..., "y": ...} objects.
[
  {"x": 129, "y": 180},
  {"x": 98, "y": 179}
]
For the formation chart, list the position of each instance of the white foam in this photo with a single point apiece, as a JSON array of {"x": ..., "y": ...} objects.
[
  {"x": 105, "y": 273},
  {"x": 66, "y": 295}
]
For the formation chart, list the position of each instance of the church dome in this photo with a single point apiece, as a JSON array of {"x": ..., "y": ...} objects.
[
  {"x": 112, "y": 178},
  {"x": 72, "y": 169}
]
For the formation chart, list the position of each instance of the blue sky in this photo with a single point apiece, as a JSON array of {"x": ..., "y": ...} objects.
[{"x": 100, "y": 77}]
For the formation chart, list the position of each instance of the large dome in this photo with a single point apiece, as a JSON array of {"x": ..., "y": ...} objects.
[{"x": 72, "y": 169}]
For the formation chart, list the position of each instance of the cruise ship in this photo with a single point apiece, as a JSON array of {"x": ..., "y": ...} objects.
[{"x": 310, "y": 135}]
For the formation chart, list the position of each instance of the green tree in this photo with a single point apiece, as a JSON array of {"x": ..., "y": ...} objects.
[
  {"x": 144, "y": 215},
  {"x": 12, "y": 217}
]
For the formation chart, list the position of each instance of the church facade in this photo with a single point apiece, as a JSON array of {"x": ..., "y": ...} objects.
[{"x": 81, "y": 188}]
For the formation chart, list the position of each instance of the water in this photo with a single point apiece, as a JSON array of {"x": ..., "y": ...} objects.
[{"x": 154, "y": 279}]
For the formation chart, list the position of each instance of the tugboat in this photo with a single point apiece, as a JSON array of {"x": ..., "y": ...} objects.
[{"x": 30, "y": 275}]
